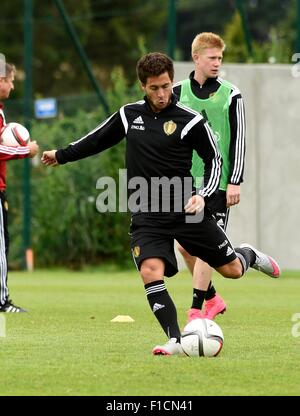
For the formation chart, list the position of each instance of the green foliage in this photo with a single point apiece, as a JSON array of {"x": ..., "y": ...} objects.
[
  {"x": 67, "y": 229},
  {"x": 274, "y": 50},
  {"x": 115, "y": 33},
  {"x": 287, "y": 32},
  {"x": 194, "y": 16},
  {"x": 110, "y": 32},
  {"x": 274, "y": 45},
  {"x": 236, "y": 49},
  {"x": 264, "y": 15}
]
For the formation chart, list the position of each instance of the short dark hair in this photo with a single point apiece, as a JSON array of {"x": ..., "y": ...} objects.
[{"x": 154, "y": 64}]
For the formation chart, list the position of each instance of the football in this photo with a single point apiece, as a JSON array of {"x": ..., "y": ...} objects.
[
  {"x": 14, "y": 134},
  {"x": 202, "y": 338}
]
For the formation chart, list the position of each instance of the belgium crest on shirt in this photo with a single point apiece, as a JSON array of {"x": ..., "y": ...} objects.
[
  {"x": 169, "y": 127},
  {"x": 136, "y": 251}
]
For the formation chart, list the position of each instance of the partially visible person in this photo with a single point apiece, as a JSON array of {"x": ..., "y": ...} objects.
[
  {"x": 160, "y": 137},
  {"x": 8, "y": 153},
  {"x": 221, "y": 103}
]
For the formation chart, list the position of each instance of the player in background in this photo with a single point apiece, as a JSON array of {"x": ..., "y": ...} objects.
[
  {"x": 8, "y": 153},
  {"x": 221, "y": 103},
  {"x": 161, "y": 135}
]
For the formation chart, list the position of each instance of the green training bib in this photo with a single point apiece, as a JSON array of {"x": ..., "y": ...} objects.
[{"x": 215, "y": 110}]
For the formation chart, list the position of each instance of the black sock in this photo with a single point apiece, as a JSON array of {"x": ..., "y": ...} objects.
[
  {"x": 163, "y": 308},
  {"x": 198, "y": 298},
  {"x": 211, "y": 292},
  {"x": 247, "y": 257}
]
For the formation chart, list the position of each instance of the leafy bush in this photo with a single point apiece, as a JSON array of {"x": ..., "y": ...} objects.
[{"x": 66, "y": 228}]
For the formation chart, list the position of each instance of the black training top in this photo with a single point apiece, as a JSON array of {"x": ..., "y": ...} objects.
[{"x": 157, "y": 144}]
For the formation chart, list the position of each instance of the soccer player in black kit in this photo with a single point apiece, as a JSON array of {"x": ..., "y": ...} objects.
[{"x": 161, "y": 135}]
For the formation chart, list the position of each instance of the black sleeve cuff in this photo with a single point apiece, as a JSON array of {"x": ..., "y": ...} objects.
[
  {"x": 236, "y": 183},
  {"x": 60, "y": 157}
]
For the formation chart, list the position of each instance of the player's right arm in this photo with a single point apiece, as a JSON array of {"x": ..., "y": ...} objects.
[
  {"x": 49, "y": 158},
  {"x": 104, "y": 136}
]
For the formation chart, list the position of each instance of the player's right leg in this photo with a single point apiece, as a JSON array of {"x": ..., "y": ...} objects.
[
  {"x": 6, "y": 305},
  {"x": 161, "y": 304},
  {"x": 153, "y": 254},
  {"x": 3, "y": 251}
]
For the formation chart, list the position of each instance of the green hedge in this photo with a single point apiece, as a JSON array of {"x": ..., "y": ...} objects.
[{"x": 66, "y": 228}]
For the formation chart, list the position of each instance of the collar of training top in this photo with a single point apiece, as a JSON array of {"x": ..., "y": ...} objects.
[{"x": 209, "y": 81}]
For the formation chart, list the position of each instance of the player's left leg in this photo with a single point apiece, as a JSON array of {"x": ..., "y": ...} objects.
[
  {"x": 214, "y": 304},
  {"x": 237, "y": 261},
  {"x": 249, "y": 256},
  {"x": 188, "y": 259},
  {"x": 202, "y": 272},
  {"x": 208, "y": 241},
  {"x": 263, "y": 262}
]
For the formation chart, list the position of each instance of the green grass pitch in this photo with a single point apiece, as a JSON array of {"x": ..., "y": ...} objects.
[{"x": 66, "y": 344}]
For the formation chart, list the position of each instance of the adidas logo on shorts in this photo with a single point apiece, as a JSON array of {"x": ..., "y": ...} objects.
[{"x": 229, "y": 251}]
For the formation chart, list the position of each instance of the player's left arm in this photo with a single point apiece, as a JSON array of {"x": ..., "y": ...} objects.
[
  {"x": 13, "y": 152},
  {"x": 177, "y": 89},
  {"x": 237, "y": 148},
  {"x": 16, "y": 152}
]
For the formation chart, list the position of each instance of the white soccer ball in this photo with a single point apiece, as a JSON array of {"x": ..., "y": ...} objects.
[
  {"x": 202, "y": 338},
  {"x": 14, "y": 134}
]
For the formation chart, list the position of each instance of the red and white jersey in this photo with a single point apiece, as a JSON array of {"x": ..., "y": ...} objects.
[
  {"x": 2, "y": 117},
  {"x": 9, "y": 153}
]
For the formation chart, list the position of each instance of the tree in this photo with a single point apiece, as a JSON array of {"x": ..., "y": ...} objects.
[
  {"x": 236, "y": 48},
  {"x": 264, "y": 15},
  {"x": 196, "y": 16},
  {"x": 110, "y": 31},
  {"x": 272, "y": 33}
]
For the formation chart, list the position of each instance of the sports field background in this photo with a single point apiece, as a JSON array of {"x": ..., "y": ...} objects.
[{"x": 66, "y": 344}]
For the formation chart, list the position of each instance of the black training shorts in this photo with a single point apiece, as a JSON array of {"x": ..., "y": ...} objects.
[
  {"x": 153, "y": 235},
  {"x": 217, "y": 206}
]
